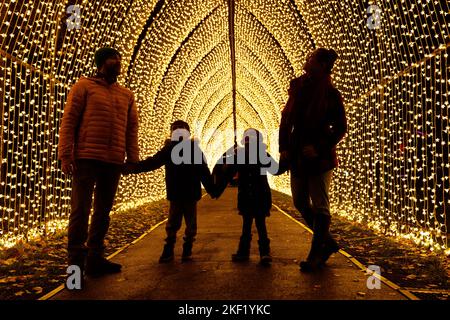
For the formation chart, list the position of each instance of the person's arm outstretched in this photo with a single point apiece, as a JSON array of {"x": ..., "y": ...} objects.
[
  {"x": 224, "y": 170},
  {"x": 273, "y": 167},
  {"x": 151, "y": 163}
]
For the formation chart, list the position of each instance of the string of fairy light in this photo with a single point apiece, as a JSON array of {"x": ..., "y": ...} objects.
[{"x": 394, "y": 172}]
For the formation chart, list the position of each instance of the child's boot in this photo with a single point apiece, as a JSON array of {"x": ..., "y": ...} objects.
[
  {"x": 167, "y": 254},
  {"x": 264, "y": 252},
  {"x": 187, "y": 251},
  {"x": 243, "y": 252}
]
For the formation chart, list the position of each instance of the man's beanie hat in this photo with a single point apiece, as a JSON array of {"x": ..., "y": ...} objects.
[
  {"x": 180, "y": 124},
  {"x": 327, "y": 56},
  {"x": 102, "y": 54}
]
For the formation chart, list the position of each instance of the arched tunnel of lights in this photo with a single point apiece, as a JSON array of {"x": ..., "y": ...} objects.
[{"x": 222, "y": 64}]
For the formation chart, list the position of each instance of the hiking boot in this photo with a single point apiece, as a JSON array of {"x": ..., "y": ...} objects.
[
  {"x": 264, "y": 251},
  {"x": 167, "y": 254},
  {"x": 243, "y": 252},
  {"x": 315, "y": 256},
  {"x": 97, "y": 266},
  {"x": 187, "y": 252},
  {"x": 329, "y": 248}
]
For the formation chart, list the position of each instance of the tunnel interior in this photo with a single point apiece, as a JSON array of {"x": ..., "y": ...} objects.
[{"x": 226, "y": 64}]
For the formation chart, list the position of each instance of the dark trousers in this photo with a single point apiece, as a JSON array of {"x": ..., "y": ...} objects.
[
  {"x": 260, "y": 222},
  {"x": 310, "y": 194},
  {"x": 178, "y": 210},
  {"x": 100, "y": 179},
  {"x": 246, "y": 237}
]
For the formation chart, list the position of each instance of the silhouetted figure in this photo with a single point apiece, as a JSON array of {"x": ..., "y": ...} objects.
[
  {"x": 185, "y": 168},
  {"x": 251, "y": 163},
  {"x": 312, "y": 124},
  {"x": 99, "y": 127}
]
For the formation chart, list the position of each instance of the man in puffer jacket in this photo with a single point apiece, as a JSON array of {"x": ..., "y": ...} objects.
[{"x": 99, "y": 131}]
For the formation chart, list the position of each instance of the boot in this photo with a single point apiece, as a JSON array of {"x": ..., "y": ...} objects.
[
  {"x": 264, "y": 252},
  {"x": 167, "y": 254},
  {"x": 308, "y": 215},
  {"x": 315, "y": 256},
  {"x": 330, "y": 247},
  {"x": 243, "y": 252},
  {"x": 187, "y": 252},
  {"x": 97, "y": 265}
]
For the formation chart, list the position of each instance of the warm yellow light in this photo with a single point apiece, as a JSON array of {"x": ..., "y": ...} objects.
[{"x": 394, "y": 173}]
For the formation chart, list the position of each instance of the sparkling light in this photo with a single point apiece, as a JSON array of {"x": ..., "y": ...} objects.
[{"x": 394, "y": 173}]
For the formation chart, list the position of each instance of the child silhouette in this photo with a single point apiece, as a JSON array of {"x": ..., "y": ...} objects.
[{"x": 251, "y": 163}]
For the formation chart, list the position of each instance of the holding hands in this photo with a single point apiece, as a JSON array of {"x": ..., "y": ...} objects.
[
  {"x": 129, "y": 168},
  {"x": 310, "y": 152}
]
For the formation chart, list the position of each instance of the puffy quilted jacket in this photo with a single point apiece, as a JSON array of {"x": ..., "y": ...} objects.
[{"x": 100, "y": 122}]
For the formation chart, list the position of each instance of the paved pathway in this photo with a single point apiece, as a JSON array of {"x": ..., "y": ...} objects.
[{"x": 212, "y": 275}]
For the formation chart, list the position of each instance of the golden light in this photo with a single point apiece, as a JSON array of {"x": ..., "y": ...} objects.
[{"x": 393, "y": 72}]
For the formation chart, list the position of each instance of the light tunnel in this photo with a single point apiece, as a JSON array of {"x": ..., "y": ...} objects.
[{"x": 221, "y": 64}]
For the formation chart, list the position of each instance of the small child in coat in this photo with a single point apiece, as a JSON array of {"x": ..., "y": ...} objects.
[
  {"x": 251, "y": 162},
  {"x": 185, "y": 168}
]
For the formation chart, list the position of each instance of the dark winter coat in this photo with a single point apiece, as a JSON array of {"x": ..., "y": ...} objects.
[
  {"x": 183, "y": 180},
  {"x": 297, "y": 131},
  {"x": 254, "y": 195}
]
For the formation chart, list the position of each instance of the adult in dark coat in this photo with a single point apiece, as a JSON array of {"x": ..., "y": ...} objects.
[
  {"x": 251, "y": 163},
  {"x": 312, "y": 124}
]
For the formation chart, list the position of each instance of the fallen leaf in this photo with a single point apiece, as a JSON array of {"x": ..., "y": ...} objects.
[{"x": 37, "y": 290}]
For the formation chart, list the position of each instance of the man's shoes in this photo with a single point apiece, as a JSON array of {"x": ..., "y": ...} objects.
[
  {"x": 97, "y": 266},
  {"x": 167, "y": 255},
  {"x": 239, "y": 257},
  {"x": 187, "y": 252}
]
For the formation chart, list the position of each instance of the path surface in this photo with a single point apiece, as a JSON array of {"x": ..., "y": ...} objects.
[{"x": 212, "y": 275}]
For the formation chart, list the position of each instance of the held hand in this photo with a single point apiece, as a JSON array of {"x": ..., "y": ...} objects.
[
  {"x": 310, "y": 152},
  {"x": 128, "y": 168},
  {"x": 68, "y": 166},
  {"x": 284, "y": 164},
  {"x": 284, "y": 156}
]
